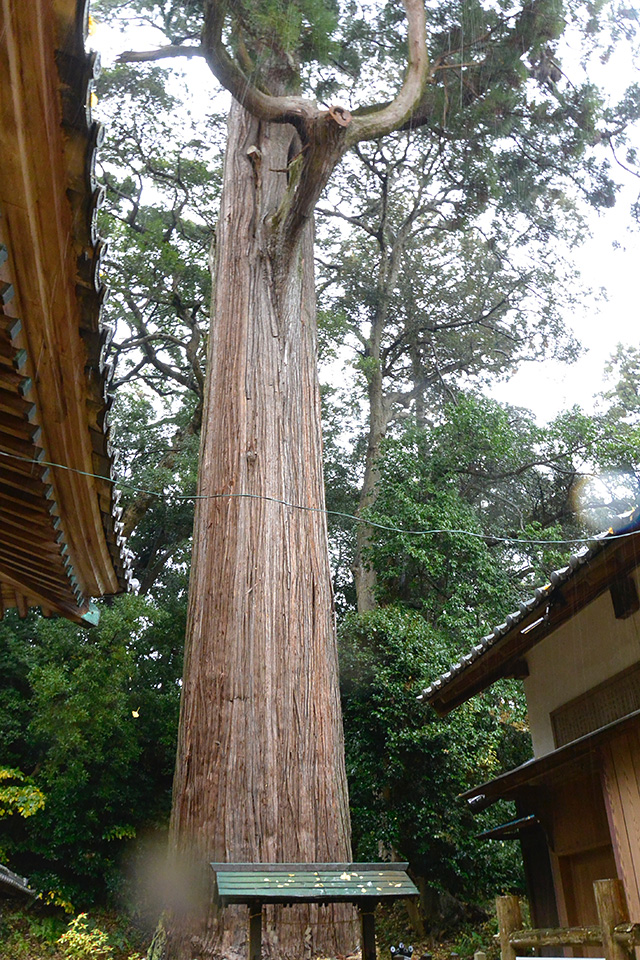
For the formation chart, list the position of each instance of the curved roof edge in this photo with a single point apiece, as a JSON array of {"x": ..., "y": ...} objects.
[
  {"x": 61, "y": 537},
  {"x": 496, "y": 654}
]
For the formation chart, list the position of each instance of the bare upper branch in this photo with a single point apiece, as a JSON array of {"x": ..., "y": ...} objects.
[
  {"x": 370, "y": 126},
  {"x": 161, "y": 53}
]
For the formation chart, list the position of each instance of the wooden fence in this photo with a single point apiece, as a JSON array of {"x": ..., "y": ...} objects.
[{"x": 614, "y": 933}]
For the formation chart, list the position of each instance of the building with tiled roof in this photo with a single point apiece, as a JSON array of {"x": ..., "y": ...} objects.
[
  {"x": 60, "y": 530},
  {"x": 576, "y": 646},
  {"x": 11, "y": 885}
]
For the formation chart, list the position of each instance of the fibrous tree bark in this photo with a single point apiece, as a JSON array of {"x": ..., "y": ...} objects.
[{"x": 260, "y": 771}]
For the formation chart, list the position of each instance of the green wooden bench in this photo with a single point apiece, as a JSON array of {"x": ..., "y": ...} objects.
[{"x": 363, "y": 884}]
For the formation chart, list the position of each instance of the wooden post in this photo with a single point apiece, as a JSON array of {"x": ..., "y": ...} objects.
[
  {"x": 612, "y": 910},
  {"x": 509, "y": 919},
  {"x": 255, "y": 930},
  {"x": 368, "y": 931}
]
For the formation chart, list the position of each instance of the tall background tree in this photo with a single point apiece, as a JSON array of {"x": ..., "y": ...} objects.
[{"x": 442, "y": 282}]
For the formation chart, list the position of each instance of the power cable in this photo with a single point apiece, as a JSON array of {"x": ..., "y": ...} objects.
[{"x": 611, "y": 535}]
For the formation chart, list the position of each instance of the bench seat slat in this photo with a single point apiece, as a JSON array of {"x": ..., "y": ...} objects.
[
  {"x": 230, "y": 881},
  {"x": 382, "y": 867},
  {"x": 281, "y": 897},
  {"x": 266, "y": 894},
  {"x": 311, "y": 879}
]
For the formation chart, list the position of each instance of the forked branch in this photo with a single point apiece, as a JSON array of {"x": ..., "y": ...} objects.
[
  {"x": 370, "y": 126},
  {"x": 300, "y": 110},
  {"x": 284, "y": 109}
]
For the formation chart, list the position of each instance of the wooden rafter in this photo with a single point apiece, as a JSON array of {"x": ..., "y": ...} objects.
[{"x": 60, "y": 530}]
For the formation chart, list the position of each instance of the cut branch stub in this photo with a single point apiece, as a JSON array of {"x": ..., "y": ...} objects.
[
  {"x": 302, "y": 112},
  {"x": 341, "y": 116}
]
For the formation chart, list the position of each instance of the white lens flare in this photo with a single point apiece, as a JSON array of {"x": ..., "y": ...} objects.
[{"x": 600, "y": 500}]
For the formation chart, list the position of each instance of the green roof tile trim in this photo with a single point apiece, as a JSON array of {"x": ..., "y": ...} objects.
[{"x": 92, "y": 616}]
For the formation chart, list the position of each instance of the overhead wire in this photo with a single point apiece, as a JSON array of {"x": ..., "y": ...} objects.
[{"x": 487, "y": 537}]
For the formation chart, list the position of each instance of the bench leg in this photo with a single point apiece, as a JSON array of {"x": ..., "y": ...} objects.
[
  {"x": 255, "y": 930},
  {"x": 368, "y": 932}
]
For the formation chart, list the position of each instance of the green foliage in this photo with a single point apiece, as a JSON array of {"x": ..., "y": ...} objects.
[
  {"x": 162, "y": 173},
  {"x": 83, "y": 940},
  {"x": 289, "y": 28},
  {"x": 623, "y": 375},
  {"x": 22, "y": 797},
  {"x": 163, "y": 178},
  {"x": 452, "y": 577},
  {"x": 491, "y": 471},
  {"x": 25, "y": 935},
  {"x": 80, "y": 942},
  {"x": 158, "y": 467},
  {"x": 484, "y": 468},
  {"x": 429, "y": 284},
  {"x": 102, "y": 715},
  {"x": 342, "y": 449},
  {"x": 40, "y": 933},
  {"x": 406, "y": 767}
]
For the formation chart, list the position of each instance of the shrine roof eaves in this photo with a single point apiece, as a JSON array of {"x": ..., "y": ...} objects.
[
  {"x": 61, "y": 536},
  {"x": 498, "y": 653}
]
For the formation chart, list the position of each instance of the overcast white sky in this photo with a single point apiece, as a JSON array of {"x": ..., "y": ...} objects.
[
  {"x": 548, "y": 388},
  {"x": 609, "y": 260}
]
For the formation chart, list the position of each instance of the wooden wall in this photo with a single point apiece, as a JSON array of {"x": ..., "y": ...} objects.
[
  {"x": 621, "y": 785},
  {"x": 581, "y": 849},
  {"x": 583, "y": 653}
]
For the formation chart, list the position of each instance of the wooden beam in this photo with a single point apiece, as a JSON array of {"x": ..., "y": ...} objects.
[
  {"x": 27, "y": 448},
  {"x": 624, "y": 597},
  {"x": 612, "y": 910},
  {"x": 38, "y": 528},
  {"x": 22, "y": 605},
  {"x": 38, "y": 596},
  {"x": 255, "y": 930},
  {"x": 55, "y": 582},
  {"x": 368, "y": 931},
  {"x": 19, "y": 427},
  {"x": 25, "y": 516},
  {"x": 621, "y": 789},
  {"x": 12, "y": 402},
  {"x": 509, "y": 920},
  {"x": 42, "y": 548},
  {"x": 13, "y": 479},
  {"x": 556, "y": 937}
]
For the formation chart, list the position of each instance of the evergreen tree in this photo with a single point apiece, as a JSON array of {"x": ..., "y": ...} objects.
[{"x": 260, "y": 622}]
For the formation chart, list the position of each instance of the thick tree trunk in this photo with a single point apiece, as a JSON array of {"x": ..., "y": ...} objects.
[
  {"x": 364, "y": 575},
  {"x": 260, "y": 773}
]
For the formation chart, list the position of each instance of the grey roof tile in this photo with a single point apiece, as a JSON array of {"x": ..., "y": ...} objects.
[{"x": 558, "y": 578}]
